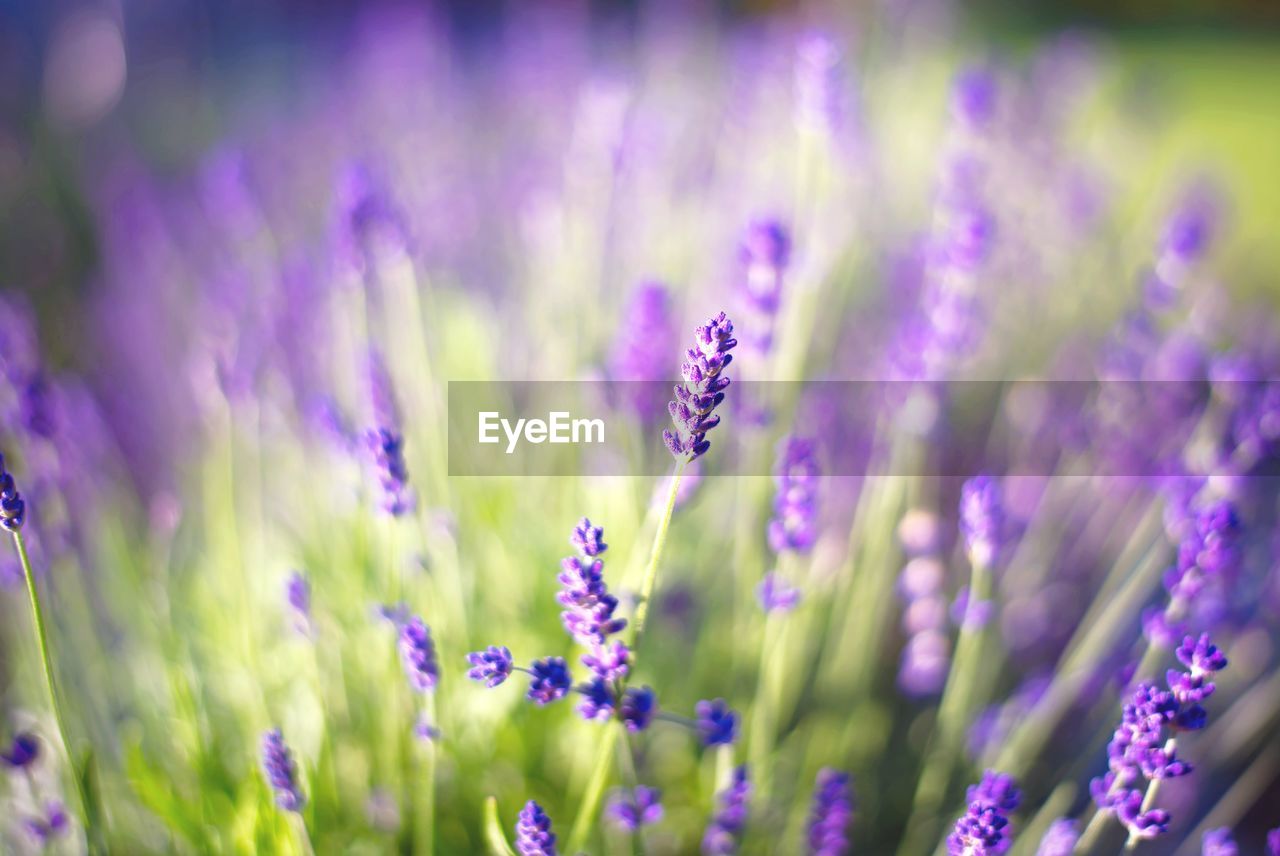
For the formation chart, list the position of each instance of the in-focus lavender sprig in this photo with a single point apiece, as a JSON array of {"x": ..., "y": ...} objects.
[
  {"x": 281, "y": 771},
  {"x": 983, "y": 829},
  {"x": 692, "y": 411},
  {"x": 831, "y": 814},
  {"x": 13, "y": 510}
]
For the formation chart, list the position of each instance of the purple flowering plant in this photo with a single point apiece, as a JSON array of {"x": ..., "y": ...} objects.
[{"x": 962, "y": 504}]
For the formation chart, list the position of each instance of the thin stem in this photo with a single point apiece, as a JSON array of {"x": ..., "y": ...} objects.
[
  {"x": 46, "y": 663},
  {"x": 595, "y": 789},
  {"x": 655, "y": 555}
]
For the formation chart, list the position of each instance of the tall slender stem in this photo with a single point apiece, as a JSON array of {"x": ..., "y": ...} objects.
[
  {"x": 655, "y": 555},
  {"x": 46, "y": 663}
]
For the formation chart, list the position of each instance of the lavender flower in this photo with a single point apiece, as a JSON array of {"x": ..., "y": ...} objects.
[
  {"x": 639, "y": 704},
  {"x": 1218, "y": 842},
  {"x": 44, "y": 829},
  {"x": 281, "y": 771},
  {"x": 831, "y": 814},
  {"x": 724, "y": 832},
  {"x": 1060, "y": 839},
  {"x": 644, "y": 346},
  {"x": 717, "y": 724},
  {"x": 702, "y": 390},
  {"x": 418, "y": 654},
  {"x": 764, "y": 254},
  {"x": 13, "y": 510},
  {"x": 385, "y": 442},
  {"x": 982, "y": 829},
  {"x": 1208, "y": 558},
  {"x": 549, "y": 680},
  {"x": 1273, "y": 842},
  {"x": 297, "y": 592},
  {"x": 634, "y": 809},
  {"x": 22, "y": 752},
  {"x": 1140, "y": 752},
  {"x": 775, "y": 595},
  {"x": 981, "y": 517},
  {"x": 588, "y": 539},
  {"x": 794, "y": 523},
  {"x": 491, "y": 666},
  {"x": 533, "y": 832},
  {"x": 597, "y": 701}
]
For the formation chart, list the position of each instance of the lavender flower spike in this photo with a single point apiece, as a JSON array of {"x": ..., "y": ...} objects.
[
  {"x": 702, "y": 390},
  {"x": 297, "y": 591},
  {"x": 1218, "y": 842},
  {"x": 418, "y": 654},
  {"x": 832, "y": 812},
  {"x": 795, "y": 509},
  {"x": 717, "y": 724},
  {"x": 982, "y": 829},
  {"x": 385, "y": 442},
  {"x": 22, "y": 753},
  {"x": 775, "y": 595},
  {"x": 1060, "y": 839},
  {"x": 281, "y": 771},
  {"x": 634, "y": 809},
  {"x": 724, "y": 832},
  {"x": 491, "y": 666},
  {"x": 981, "y": 517},
  {"x": 550, "y": 680},
  {"x": 533, "y": 832},
  {"x": 13, "y": 511}
]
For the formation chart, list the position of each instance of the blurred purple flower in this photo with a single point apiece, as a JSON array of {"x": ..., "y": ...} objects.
[
  {"x": 831, "y": 814},
  {"x": 636, "y": 808}
]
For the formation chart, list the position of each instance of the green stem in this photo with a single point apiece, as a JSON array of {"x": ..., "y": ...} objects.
[
  {"x": 655, "y": 555},
  {"x": 595, "y": 789},
  {"x": 46, "y": 663}
]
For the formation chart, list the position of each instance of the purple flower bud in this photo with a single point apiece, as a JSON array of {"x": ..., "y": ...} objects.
[
  {"x": 639, "y": 704},
  {"x": 1060, "y": 839},
  {"x": 609, "y": 661},
  {"x": 1218, "y": 842},
  {"x": 981, "y": 830},
  {"x": 297, "y": 592},
  {"x": 832, "y": 811},
  {"x": 22, "y": 752},
  {"x": 717, "y": 724},
  {"x": 281, "y": 771},
  {"x": 588, "y": 539},
  {"x": 597, "y": 701},
  {"x": 1273, "y": 842},
  {"x": 418, "y": 655},
  {"x": 775, "y": 595},
  {"x": 491, "y": 666},
  {"x": 44, "y": 829},
  {"x": 634, "y": 809},
  {"x": 533, "y": 832},
  {"x": 702, "y": 390},
  {"x": 1201, "y": 655},
  {"x": 981, "y": 518},
  {"x": 794, "y": 523},
  {"x": 13, "y": 510},
  {"x": 724, "y": 832},
  {"x": 549, "y": 681},
  {"x": 973, "y": 97}
]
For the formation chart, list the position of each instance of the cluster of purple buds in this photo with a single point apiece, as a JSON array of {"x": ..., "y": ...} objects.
[
  {"x": 22, "y": 752},
  {"x": 1218, "y": 842},
  {"x": 418, "y": 655},
  {"x": 724, "y": 832},
  {"x": 832, "y": 812},
  {"x": 764, "y": 254},
  {"x": 981, "y": 519},
  {"x": 717, "y": 724},
  {"x": 692, "y": 411},
  {"x": 13, "y": 510},
  {"x": 297, "y": 592},
  {"x": 1141, "y": 753},
  {"x": 1273, "y": 842},
  {"x": 775, "y": 595},
  {"x": 281, "y": 771},
  {"x": 385, "y": 443},
  {"x": 533, "y": 832},
  {"x": 794, "y": 525},
  {"x": 645, "y": 348},
  {"x": 983, "y": 829},
  {"x": 926, "y": 657},
  {"x": 1187, "y": 237},
  {"x": 53, "y": 823},
  {"x": 491, "y": 666},
  {"x": 635, "y": 808},
  {"x": 1208, "y": 558}
]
